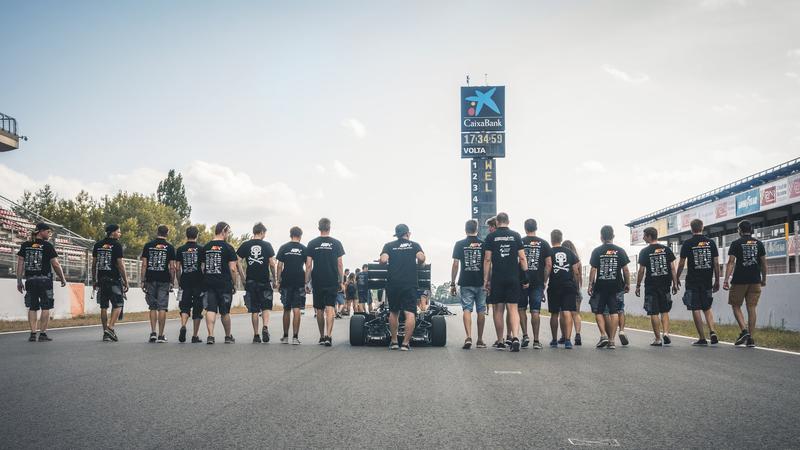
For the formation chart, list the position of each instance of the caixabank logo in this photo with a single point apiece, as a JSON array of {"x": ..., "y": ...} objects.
[{"x": 483, "y": 108}]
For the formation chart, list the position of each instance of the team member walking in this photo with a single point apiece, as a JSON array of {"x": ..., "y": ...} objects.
[
  {"x": 576, "y": 316},
  {"x": 364, "y": 294},
  {"x": 657, "y": 269},
  {"x": 402, "y": 255},
  {"x": 539, "y": 261},
  {"x": 468, "y": 255},
  {"x": 35, "y": 259},
  {"x": 609, "y": 280},
  {"x": 157, "y": 273},
  {"x": 324, "y": 269},
  {"x": 111, "y": 281},
  {"x": 259, "y": 258},
  {"x": 187, "y": 266},
  {"x": 702, "y": 280},
  {"x": 219, "y": 279},
  {"x": 562, "y": 289},
  {"x": 504, "y": 261},
  {"x": 745, "y": 275},
  {"x": 292, "y": 267}
]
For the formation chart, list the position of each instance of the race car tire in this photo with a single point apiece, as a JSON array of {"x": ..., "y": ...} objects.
[
  {"x": 438, "y": 331},
  {"x": 357, "y": 330}
]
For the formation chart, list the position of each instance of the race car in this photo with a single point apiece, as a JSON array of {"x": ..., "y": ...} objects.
[{"x": 373, "y": 328}]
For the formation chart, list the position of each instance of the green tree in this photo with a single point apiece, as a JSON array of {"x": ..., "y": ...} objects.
[
  {"x": 138, "y": 216},
  {"x": 43, "y": 202},
  {"x": 172, "y": 193}
]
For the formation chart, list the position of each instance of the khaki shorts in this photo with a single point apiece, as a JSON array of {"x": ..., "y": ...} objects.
[{"x": 740, "y": 293}]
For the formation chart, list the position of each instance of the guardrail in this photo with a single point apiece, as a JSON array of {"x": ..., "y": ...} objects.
[{"x": 8, "y": 124}]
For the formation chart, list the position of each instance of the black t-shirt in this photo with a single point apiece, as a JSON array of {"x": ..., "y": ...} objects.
[
  {"x": 189, "y": 255},
  {"x": 37, "y": 256},
  {"x": 402, "y": 262},
  {"x": 505, "y": 246},
  {"x": 657, "y": 260},
  {"x": 748, "y": 252},
  {"x": 256, "y": 253},
  {"x": 699, "y": 252},
  {"x": 536, "y": 251},
  {"x": 325, "y": 252},
  {"x": 609, "y": 260},
  {"x": 469, "y": 253},
  {"x": 106, "y": 253},
  {"x": 362, "y": 281},
  {"x": 293, "y": 257},
  {"x": 351, "y": 291},
  {"x": 561, "y": 275},
  {"x": 216, "y": 271},
  {"x": 159, "y": 253}
]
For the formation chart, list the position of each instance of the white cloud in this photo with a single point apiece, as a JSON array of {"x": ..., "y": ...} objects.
[
  {"x": 342, "y": 170},
  {"x": 719, "y": 4},
  {"x": 794, "y": 53},
  {"x": 725, "y": 109},
  {"x": 320, "y": 168},
  {"x": 791, "y": 75},
  {"x": 356, "y": 126},
  {"x": 633, "y": 78},
  {"x": 591, "y": 166}
]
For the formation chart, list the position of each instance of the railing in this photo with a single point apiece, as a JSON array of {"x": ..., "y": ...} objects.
[{"x": 8, "y": 124}]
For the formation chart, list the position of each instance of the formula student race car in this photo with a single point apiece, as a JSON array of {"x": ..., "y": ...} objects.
[{"x": 373, "y": 328}]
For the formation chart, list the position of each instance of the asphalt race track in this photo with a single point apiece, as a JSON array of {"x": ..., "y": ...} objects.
[{"x": 78, "y": 392}]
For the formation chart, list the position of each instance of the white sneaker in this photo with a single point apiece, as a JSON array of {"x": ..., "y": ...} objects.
[
  {"x": 284, "y": 340},
  {"x": 295, "y": 341}
]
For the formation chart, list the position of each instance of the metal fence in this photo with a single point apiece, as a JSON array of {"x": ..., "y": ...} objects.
[{"x": 8, "y": 124}]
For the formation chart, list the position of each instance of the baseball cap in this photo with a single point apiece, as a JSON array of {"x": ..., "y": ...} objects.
[
  {"x": 400, "y": 230},
  {"x": 41, "y": 226}
]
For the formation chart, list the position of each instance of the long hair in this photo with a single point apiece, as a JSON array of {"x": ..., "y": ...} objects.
[{"x": 571, "y": 247}]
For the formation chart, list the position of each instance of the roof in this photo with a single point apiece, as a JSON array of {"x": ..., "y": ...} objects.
[{"x": 741, "y": 185}]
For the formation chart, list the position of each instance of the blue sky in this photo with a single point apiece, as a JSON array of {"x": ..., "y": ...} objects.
[{"x": 287, "y": 111}]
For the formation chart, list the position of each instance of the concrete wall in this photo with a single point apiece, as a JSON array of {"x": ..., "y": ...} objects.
[
  {"x": 779, "y": 304},
  {"x": 75, "y": 300}
]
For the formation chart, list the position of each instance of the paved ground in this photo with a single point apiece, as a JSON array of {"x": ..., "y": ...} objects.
[{"x": 77, "y": 392}]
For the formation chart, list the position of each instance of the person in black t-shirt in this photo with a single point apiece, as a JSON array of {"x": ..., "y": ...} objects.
[
  {"x": 292, "y": 266},
  {"x": 562, "y": 289},
  {"x": 157, "y": 274},
  {"x": 468, "y": 255},
  {"x": 324, "y": 270},
  {"x": 110, "y": 279},
  {"x": 364, "y": 293},
  {"x": 190, "y": 297},
  {"x": 259, "y": 258},
  {"x": 219, "y": 280},
  {"x": 609, "y": 281},
  {"x": 747, "y": 272},
  {"x": 402, "y": 255},
  {"x": 539, "y": 261},
  {"x": 702, "y": 257},
  {"x": 506, "y": 265},
  {"x": 657, "y": 269},
  {"x": 34, "y": 260}
]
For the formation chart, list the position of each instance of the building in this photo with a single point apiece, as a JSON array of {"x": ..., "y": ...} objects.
[
  {"x": 770, "y": 199},
  {"x": 9, "y": 139}
]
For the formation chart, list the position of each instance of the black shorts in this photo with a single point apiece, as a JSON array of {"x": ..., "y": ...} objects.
[
  {"x": 402, "y": 298},
  {"x": 607, "y": 301},
  {"x": 39, "y": 293},
  {"x": 325, "y": 296},
  {"x": 561, "y": 298},
  {"x": 503, "y": 292},
  {"x": 191, "y": 299},
  {"x": 218, "y": 300},
  {"x": 293, "y": 297},
  {"x": 257, "y": 296},
  {"x": 698, "y": 298},
  {"x": 110, "y": 293},
  {"x": 364, "y": 297},
  {"x": 657, "y": 300}
]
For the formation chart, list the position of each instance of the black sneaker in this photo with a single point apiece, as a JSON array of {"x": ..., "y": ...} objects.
[
  {"x": 43, "y": 337},
  {"x": 256, "y": 339},
  {"x": 742, "y": 337},
  {"x": 667, "y": 340},
  {"x": 700, "y": 343},
  {"x": 321, "y": 340},
  {"x": 508, "y": 341},
  {"x": 526, "y": 341},
  {"x": 515, "y": 345},
  {"x": 230, "y": 340},
  {"x": 495, "y": 344},
  {"x": 162, "y": 340},
  {"x": 656, "y": 343},
  {"x": 105, "y": 337},
  {"x": 560, "y": 340},
  {"x": 196, "y": 340},
  {"x": 182, "y": 335},
  {"x": 751, "y": 342},
  {"x": 603, "y": 342},
  {"x": 264, "y": 335},
  {"x": 328, "y": 341},
  {"x": 112, "y": 334},
  {"x": 623, "y": 339},
  {"x": 467, "y": 344},
  {"x": 32, "y": 338},
  {"x": 394, "y": 346},
  {"x": 210, "y": 340},
  {"x": 404, "y": 348},
  {"x": 500, "y": 345},
  {"x": 153, "y": 337},
  {"x": 578, "y": 339},
  {"x": 714, "y": 339}
]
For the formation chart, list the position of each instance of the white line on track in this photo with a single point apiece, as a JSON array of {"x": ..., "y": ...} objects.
[{"x": 508, "y": 372}]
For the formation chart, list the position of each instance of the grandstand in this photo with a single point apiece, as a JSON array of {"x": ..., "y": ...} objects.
[{"x": 770, "y": 199}]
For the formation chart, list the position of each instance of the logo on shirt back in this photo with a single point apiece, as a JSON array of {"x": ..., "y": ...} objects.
[
  {"x": 215, "y": 248},
  {"x": 405, "y": 245},
  {"x": 659, "y": 250},
  {"x": 611, "y": 252},
  {"x": 327, "y": 245},
  {"x": 295, "y": 251},
  {"x": 255, "y": 255},
  {"x": 475, "y": 245},
  {"x": 561, "y": 262}
]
